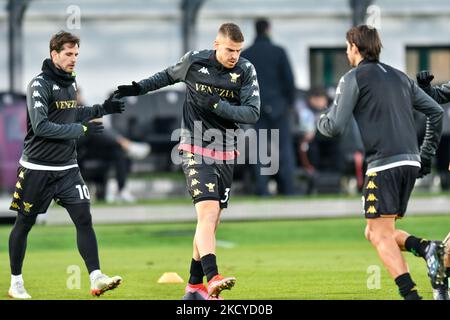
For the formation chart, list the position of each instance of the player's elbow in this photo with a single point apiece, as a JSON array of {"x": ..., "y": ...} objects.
[{"x": 254, "y": 116}]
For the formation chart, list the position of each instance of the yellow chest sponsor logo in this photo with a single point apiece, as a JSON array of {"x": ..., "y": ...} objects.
[
  {"x": 372, "y": 210},
  {"x": 371, "y": 197},
  {"x": 69, "y": 104},
  {"x": 197, "y": 192},
  {"x": 210, "y": 186},
  {"x": 234, "y": 77},
  {"x": 192, "y": 172},
  {"x": 223, "y": 93},
  {"x": 371, "y": 185},
  {"x": 27, "y": 206},
  {"x": 194, "y": 182}
]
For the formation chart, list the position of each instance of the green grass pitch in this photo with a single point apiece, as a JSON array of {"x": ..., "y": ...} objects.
[{"x": 301, "y": 259}]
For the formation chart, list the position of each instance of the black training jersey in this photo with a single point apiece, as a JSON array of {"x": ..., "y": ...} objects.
[
  {"x": 237, "y": 87},
  {"x": 52, "y": 128},
  {"x": 382, "y": 99}
]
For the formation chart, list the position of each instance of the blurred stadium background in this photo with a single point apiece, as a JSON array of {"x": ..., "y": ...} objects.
[{"x": 123, "y": 41}]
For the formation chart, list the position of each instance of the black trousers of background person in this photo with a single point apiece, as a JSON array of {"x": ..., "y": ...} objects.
[
  {"x": 285, "y": 175},
  {"x": 104, "y": 147},
  {"x": 443, "y": 161}
]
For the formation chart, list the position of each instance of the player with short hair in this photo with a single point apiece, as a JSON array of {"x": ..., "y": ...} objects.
[
  {"x": 48, "y": 167},
  {"x": 382, "y": 99},
  {"x": 221, "y": 91}
]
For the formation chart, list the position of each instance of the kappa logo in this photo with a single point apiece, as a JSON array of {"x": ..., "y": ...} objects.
[
  {"x": 16, "y": 196},
  {"x": 191, "y": 162},
  {"x": 40, "y": 77},
  {"x": 18, "y": 185},
  {"x": 197, "y": 192},
  {"x": 36, "y": 94},
  {"x": 192, "y": 172},
  {"x": 371, "y": 197},
  {"x": 253, "y": 72},
  {"x": 38, "y": 104},
  {"x": 56, "y": 87},
  {"x": 373, "y": 174},
  {"x": 255, "y": 93},
  {"x": 195, "y": 52},
  {"x": 371, "y": 185},
  {"x": 255, "y": 83},
  {"x": 36, "y": 84},
  {"x": 372, "y": 210},
  {"x": 14, "y": 205},
  {"x": 204, "y": 70},
  {"x": 22, "y": 174},
  {"x": 194, "y": 182},
  {"x": 234, "y": 77}
]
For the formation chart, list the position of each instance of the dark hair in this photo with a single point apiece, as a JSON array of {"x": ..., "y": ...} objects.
[
  {"x": 366, "y": 40},
  {"x": 58, "y": 41},
  {"x": 262, "y": 26},
  {"x": 232, "y": 32}
]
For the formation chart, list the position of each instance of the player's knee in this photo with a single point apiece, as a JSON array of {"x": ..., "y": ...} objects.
[
  {"x": 208, "y": 216},
  {"x": 26, "y": 222}
]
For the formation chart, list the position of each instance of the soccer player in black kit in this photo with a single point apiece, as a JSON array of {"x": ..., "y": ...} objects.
[
  {"x": 382, "y": 99},
  {"x": 48, "y": 167},
  {"x": 221, "y": 91}
]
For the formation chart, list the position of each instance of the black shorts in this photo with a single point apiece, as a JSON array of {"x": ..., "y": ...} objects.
[
  {"x": 35, "y": 189},
  {"x": 386, "y": 193},
  {"x": 206, "y": 180}
]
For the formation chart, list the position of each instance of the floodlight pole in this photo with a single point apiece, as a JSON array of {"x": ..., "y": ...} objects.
[
  {"x": 16, "y": 10},
  {"x": 190, "y": 10}
]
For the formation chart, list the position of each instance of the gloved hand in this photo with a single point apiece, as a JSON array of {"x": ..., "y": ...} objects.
[
  {"x": 206, "y": 100},
  {"x": 424, "y": 79},
  {"x": 113, "y": 105},
  {"x": 127, "y": 90},
  {"x": 425, "y": 164},
  {"x": 92, "y": 127}
]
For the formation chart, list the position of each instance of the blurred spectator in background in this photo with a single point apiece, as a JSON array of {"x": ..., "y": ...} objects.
[
  {"x": 277, "y": 89},
  {"x": 316, "y": 152},
  {"x": 442, "y": 95},
  {"x": 98, "y": 154}
]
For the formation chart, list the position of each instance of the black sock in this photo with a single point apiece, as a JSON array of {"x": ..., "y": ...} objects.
[
  {"x": 447, "y": 272},
  {"x": 407, "y": 287},
  {"x": 209, "y": 266},
  {"x": 196, "y": 272},
  {"x": 416, "y": 246}
]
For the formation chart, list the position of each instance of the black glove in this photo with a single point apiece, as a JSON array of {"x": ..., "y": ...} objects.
[
  {"x": 127, "y": 90},
  {"x": 113, "y": 105},
  {"x": 424, "y": 79},
  {"x": 206, "y": 100},
  {"x": 92, "y": 127},
  {"x": 425, "y": 169}
]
